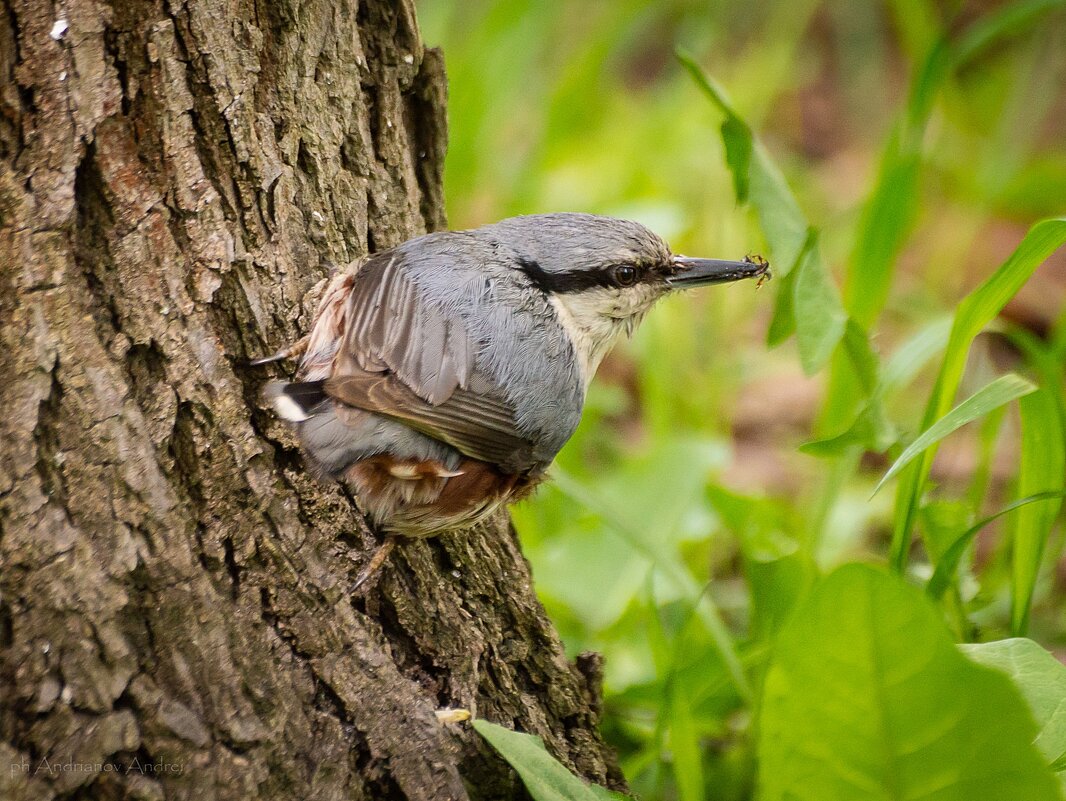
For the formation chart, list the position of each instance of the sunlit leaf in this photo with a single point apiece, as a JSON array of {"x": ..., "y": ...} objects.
[
  {"x": 1040, "y": 677},
  {"x": 868, "y": 698},
  {"x": 1003, "y": 390}
]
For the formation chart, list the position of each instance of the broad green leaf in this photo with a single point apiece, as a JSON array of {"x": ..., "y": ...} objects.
[
  {"x": 780, "y": 219},
  {"x": 976, "y": 311},
  {"x": 867, "y": 698},
  {"x": 544, "y": 776},
  {"x": 1040, "y": 677},
  {"x": 1043, "y": 469},
  {"x": 949, "y": 562},
  {"x": 1003, "y": 390}
]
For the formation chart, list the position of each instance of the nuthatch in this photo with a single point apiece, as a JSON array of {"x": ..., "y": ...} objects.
[{"x": 441, "y": 377}]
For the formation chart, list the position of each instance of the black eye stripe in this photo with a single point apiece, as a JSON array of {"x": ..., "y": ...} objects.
[{"x": 571, "y": 280}]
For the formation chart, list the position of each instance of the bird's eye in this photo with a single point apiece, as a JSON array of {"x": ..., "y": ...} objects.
[{"x": 625, "y": 274}]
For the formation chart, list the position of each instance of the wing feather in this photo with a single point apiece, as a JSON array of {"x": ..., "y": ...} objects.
[{"x": 408, "y": 359}]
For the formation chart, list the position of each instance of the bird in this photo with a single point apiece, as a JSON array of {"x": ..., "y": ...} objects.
[{"x": 440, "y": 377}]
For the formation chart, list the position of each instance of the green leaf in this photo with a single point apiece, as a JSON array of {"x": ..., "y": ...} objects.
[
  {"x": 668, "y": 507},
  {"x": 1003, "y": 390},
  {"x": 871, "y": 429},
  {"x": 603, "y": 794},
  {"x": 777, "y": 585},
  {"x": 976, "y": 311},
  {"x": 870, "y": 426},
  {"x": 812, "y": 306},
  {"x": 780, "y": 218},
  {"x": 868, "y": 698},
  {"x": 685, "y": 749},
  {"x": 736, "y": 136},
  {"x": 1043, "y": 469},
  {"x": 1040, "y": 677},
  {"x": 886, "y": 221},
  {"x": 1012, "y": 19},
  {"x": 949, "y": 562},
  {"x": 544, "y": 777},
  {"x": 820, "y": 318},
  {"x": 783, "y": 320},
  {"x": 915, "y": 353}
]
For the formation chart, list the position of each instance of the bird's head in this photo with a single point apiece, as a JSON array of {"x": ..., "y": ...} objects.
[{"x": 602, "y": 274}]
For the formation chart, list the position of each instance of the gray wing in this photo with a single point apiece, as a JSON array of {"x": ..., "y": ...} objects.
[{"x": 408, "y": 359}]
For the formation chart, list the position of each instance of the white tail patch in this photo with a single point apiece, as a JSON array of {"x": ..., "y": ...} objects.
[{"x": 288, "y": 409}]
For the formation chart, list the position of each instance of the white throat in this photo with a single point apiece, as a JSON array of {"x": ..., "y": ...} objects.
[{"x": 591, "y": 332}]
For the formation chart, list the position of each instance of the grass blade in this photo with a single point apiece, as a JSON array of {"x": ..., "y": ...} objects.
[
  {"x": 685, "y": 747},
  {"x": 890, "y": 212},
  {"x": 949, "y": 562},
  {"x": 976, "y": 311},
  {"x": 915, "y": 354},
  {"x": 1003, "y": 390},
  {"x": 1042, "y": 470},
  {"x": 1012, "y": 19}
]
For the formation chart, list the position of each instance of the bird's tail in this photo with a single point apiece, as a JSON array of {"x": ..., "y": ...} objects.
[{"x": 297, "y": 401}]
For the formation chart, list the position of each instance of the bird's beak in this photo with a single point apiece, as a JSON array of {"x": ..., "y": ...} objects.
[{"x": 701, "y": 272}]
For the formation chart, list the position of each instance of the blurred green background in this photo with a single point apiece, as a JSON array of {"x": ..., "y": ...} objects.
[{"x": 683, "y": 520}]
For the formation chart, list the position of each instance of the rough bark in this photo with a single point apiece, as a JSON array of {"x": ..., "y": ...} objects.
[{"x": 175, "y": 620}]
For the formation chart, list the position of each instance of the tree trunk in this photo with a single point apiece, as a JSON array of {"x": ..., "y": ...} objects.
[{"x": 175, "y": 620}]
